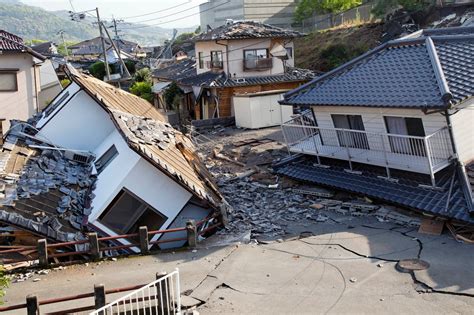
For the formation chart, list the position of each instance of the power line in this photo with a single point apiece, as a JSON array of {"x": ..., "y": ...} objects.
[
  {"x": 178, "y": 19},
  {"x": 159, "y": 11},
  {"x": 165, "y": 16}
]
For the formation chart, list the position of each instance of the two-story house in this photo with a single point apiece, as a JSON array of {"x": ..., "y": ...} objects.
[
  {"x": 237, "y": 58},
  {"x": 393, "y": 124},
  {"x": 20, "y": 80}
]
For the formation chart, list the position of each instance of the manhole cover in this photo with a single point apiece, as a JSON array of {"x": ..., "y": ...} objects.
[{"x": 409, "y": 265}]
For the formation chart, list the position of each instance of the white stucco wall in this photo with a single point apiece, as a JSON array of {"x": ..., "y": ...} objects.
[
  {"x": 19, "y": 104},
  {"x": 80, "y": 125},
  {"x": 463, "y": 130},
  {"x": 236, "y": 55}
]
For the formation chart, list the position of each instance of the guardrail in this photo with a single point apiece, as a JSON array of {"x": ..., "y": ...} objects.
[
  {"x": 159, "y": 297},
  {"x": 425, "y": 155},
  {"x": 258, "y": 64},
  {"x": 94, "y": 246},
  {"x": 162, "y": 293}
]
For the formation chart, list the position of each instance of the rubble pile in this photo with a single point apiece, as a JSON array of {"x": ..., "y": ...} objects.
[
  {"x": 267, "y": 205},
  {"x": 46, "y": 172},
  {"x": 455, "y": 20}
]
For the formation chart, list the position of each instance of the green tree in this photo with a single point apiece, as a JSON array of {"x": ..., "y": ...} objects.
[
  {"x": 142, "y": 75},
  {"x": 306, "y": 8},
  {"x": 62, "y": 48},
  {"x": 130, "y": 66},
  {"x": 98, "y": 70},
  {"x": 172, "y": 93},
  {"x": 143, "y": 90},
  {"x": 382, "y": 7},
  {"x": 4, "y": 282},
  {"x": 183, "y": 38},
  {"x": 65, "y": 82}
]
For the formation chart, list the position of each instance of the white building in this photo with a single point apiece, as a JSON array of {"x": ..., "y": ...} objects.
[
  {"x": 143, "y": 172},
  {"x": 393, "y": 124}
]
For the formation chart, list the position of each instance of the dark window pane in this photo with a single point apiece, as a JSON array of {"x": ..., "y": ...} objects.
[
  {"x": 415, "y": 127},
  {"x": 106, "y": 158},
  {"x": 122, "y": 212},
  {"x": 151, "y": 219}
]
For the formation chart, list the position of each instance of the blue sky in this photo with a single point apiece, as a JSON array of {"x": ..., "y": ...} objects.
[{"x": 169, "y": 10}]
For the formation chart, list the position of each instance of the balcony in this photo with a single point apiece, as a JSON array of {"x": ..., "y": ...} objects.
[
  {"x": 258, "y": 64},
  {"x": 215, "y": 65},
  {"x": 426, "y": 155}
]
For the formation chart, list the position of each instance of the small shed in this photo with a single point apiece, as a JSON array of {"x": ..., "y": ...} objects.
[{"x": 261, "y": 109}]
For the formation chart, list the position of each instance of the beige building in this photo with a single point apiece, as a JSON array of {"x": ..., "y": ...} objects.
[{"x": 20, "y": 80}]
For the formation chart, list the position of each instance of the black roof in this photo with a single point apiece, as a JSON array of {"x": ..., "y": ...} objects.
[
  {"x": 245, "y": 30},
  {"x": 449, "y": 201},
  {"x": 424, "y": 70},
  {"x": 183, "y": 69}
]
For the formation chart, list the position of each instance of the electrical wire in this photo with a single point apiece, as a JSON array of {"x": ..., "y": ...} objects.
[
  {"x": 165, "y": 16},
  {"x": 154, "y": 12},
  {"x": 177, "y": 19}
]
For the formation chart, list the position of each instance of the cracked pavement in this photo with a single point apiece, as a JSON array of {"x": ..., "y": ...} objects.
[{"x": 345, "y": 268}]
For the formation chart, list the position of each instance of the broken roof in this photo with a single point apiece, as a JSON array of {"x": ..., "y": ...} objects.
[
  {"x": 246, "y": 30},
  {"x": 177, "y": 71},
  {"x": 156, "y": 141},
  {"x": 430, "y": 69},
  {"x": 448, "y": 201},
  {"x": 43, "y": 191},
  {"x": 94, "y": 46},
  {"x": 12, "y": 43}
]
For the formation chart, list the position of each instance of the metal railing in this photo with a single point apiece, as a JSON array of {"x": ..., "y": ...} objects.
[
  {"x": 258, "y": 64},
  {"x": 426, "y": 155},
  {"x": 159, "y": 297}
]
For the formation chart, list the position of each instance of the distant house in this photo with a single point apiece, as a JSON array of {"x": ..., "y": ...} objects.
[
  {"x": 46, "y": 49},
  {"x": 393, "y": 124},
  {"x": 234, "y": 59},
  {"x": 20, "y": 79},
  {"x": 101, "y": 159},
  {"x": 92, "y": 48}
]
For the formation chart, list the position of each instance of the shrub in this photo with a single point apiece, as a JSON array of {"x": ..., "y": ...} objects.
[{"x": 143, "y": 90}]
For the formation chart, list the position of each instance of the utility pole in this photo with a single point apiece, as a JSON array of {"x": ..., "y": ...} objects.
[
  {"x": 107, "y": 70},
  {"x": 118, "y": 53},
  {"x": 61, "y": 32}
]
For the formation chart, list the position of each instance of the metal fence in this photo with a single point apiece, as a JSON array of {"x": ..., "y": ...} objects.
[
  {"x": 159, "y": 297},
  {"x": 425, "y": 155}
]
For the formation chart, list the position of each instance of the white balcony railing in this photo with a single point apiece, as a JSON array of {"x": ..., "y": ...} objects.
[{"x": 426, "y": 155}]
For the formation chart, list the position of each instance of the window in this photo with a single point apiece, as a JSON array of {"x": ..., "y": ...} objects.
[
  {"x": 356, "y": 140},
  {"x": 255, "y": 59},
  {"x": 105, "y": 159},
  {"x": 8, "y": 81},
  {"x": 50, "y": 109},
  {"x": 126, "y": 213},
  {"x": 216, "y": 59},
  {"x": 289, "y": 52},
  {"x": 406, "y": 126},
  {"x": 201, "y": 60}
]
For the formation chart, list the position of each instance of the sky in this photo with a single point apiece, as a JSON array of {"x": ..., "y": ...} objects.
[{"x": 168, "y": 12}]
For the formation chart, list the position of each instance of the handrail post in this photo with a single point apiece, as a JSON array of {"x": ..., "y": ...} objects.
[
  {"x": 43, "y": 252},
  {"x": 144, "y": 241},
  {"x": 191, "y": 232},
  {"x": 94, "y": 245},
  {"x": 163, "y": 293},
  {"x": 346, "y": 140},
  {"x": 99, "y": 296},
  {"x": 316, "y": 146},
  {"x": 32, "y": 305},
  {"x": 430, "y": 163},
  {"x": 384, "y": 148}
]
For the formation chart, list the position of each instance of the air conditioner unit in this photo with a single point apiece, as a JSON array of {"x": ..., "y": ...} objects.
[{"x": 79, "y": 156}]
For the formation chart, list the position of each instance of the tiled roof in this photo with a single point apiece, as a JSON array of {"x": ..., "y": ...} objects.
[
  {"x": 94, "y": 46},
  {"x": 245, "y": 30},
  {"x": 183, "y": 69},
  {"x": 13, "y": 43},
  {"x": 10, "y": 42},
  {"x": 402, "y": 73},
  {"x": 448, "y": 202},
  {"x": 292, "y": 75},
  {"x": 164, "y": 147}
]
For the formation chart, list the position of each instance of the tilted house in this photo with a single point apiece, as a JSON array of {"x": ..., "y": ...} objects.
[
  {"x": 92, "y": 49},
  {"x": 393, "y": 124},
  {"x": 99, "y": 158}
]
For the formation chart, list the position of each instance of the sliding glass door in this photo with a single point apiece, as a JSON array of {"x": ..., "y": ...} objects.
[
  {"x": 406, "y": 126},
  {"x": 350, "y": 139}
]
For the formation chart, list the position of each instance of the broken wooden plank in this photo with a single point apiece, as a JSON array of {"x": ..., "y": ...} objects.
[{"x": 431, "y": 226}]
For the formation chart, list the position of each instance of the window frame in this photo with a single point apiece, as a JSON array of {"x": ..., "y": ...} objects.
[
  {"x": 267, "y": 53},
  {"x": 14, "y": 72},
  {"x": 134, "y": 217},
  {"x": 201, "y": 60},
  {"x": 100, "y": 169},
  {"x": 289, "y": 52}
]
